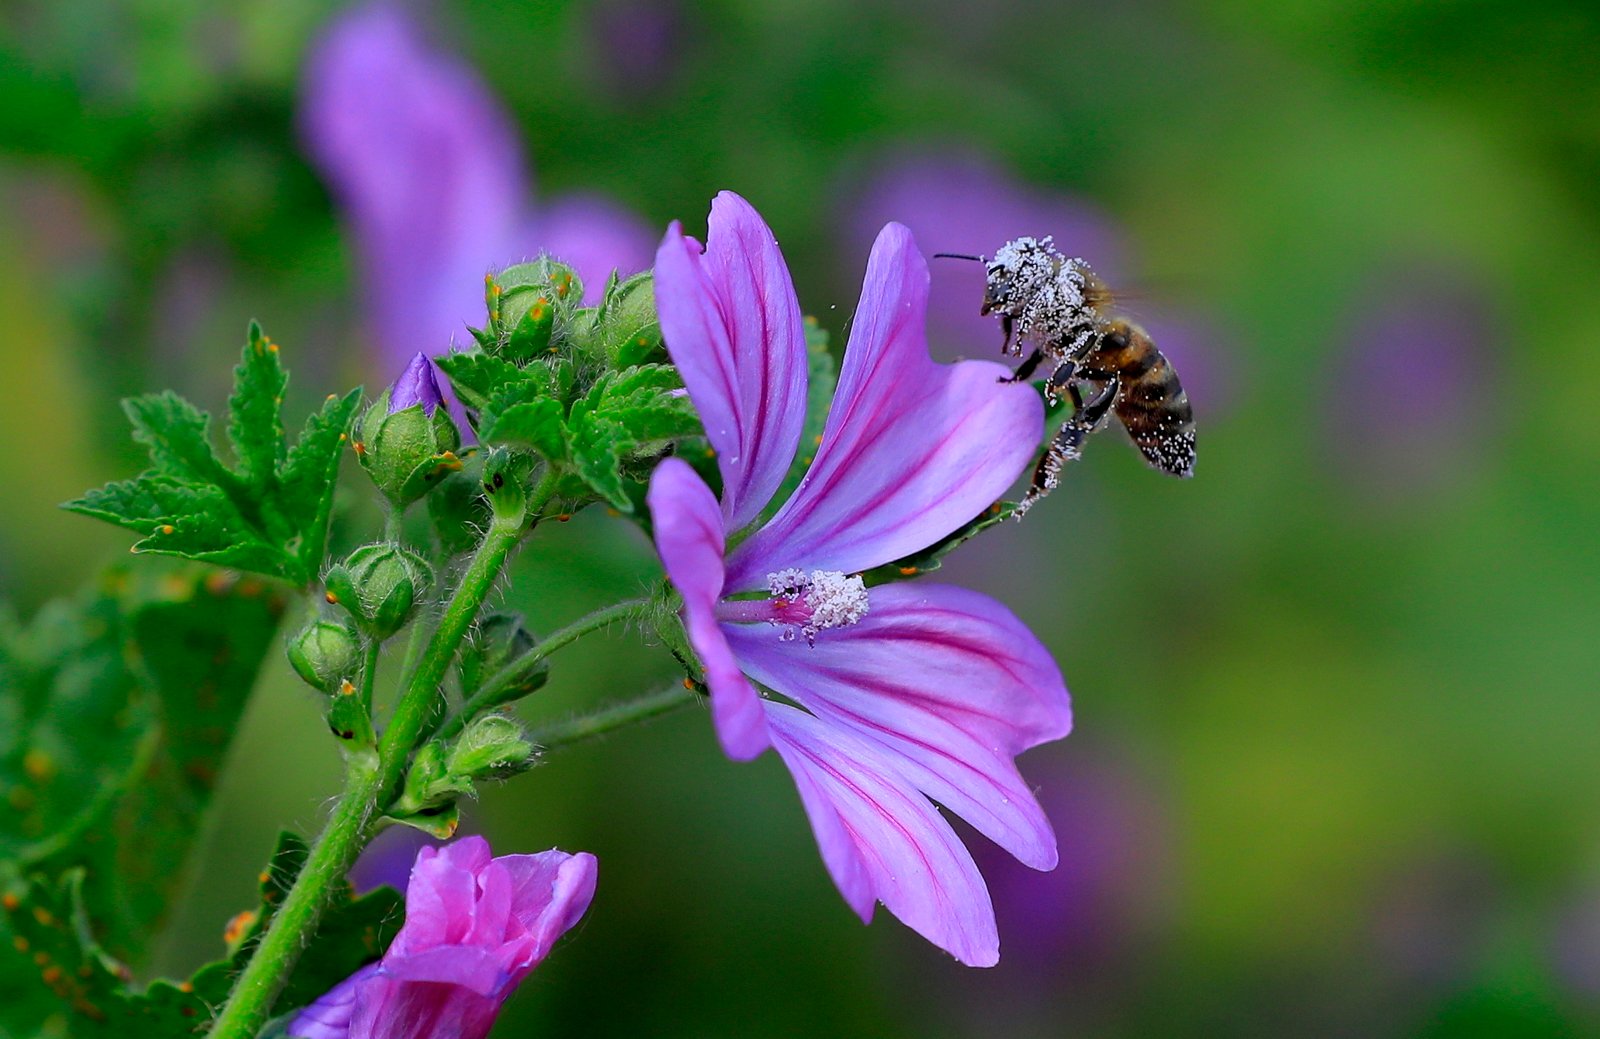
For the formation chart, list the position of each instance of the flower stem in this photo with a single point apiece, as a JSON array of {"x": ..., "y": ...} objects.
[
  {"x": 250, "y": 1003},
  {"x": 614, "y": 716},
  {"x": 369, "y": 784},
  {"x": 495, "y": 689}
]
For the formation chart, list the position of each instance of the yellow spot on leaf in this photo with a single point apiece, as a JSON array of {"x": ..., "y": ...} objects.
[{"x": 39, "y": 765}]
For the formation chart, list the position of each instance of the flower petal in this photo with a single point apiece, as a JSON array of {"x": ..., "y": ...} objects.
[
  {"x": 329, "y": 1017},
  {"x": 427, "y": 166},
  {"x": 689, "y": 539},
  {"x": 912, "y": 449},
  {"x": 881, "y": 839},
  {"x": 947, "y": 685},
  {"x": 550, "y": 892},
  {"x": 732, "y": 325}
]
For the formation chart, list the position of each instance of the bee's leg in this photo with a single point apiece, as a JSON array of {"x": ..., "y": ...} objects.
[
  {"x": 1061, "y": 380},
  {"x": 1067, "y": 445},
  {"x": 1008, "y": 326},
  {"x": 1026, "y": 368}
]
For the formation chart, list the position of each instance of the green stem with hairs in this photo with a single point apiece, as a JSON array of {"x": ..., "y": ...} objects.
[
  {"x": 614, "y": 716},
  {"x": 371, "y": 781},
  {"x": 494, "y": 691}
]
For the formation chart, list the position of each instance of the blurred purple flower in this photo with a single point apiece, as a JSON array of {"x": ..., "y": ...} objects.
[
  {"x": 416, "y": 385},
  {"x": 1575, "y": 947},
  {"x": 1412, "y": 383},
  {"x": 475, "y": 927},
  {"x": 430, "y": 174},
  {"x": 959, "y": 202},
  {"x": 1108, "y": 890},
  {"x": 387, "y": 860},
  {"x": 904, "y": 692}
]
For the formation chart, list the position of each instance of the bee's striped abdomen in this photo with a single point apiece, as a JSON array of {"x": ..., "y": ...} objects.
[{"x": 1151, "y": 403}]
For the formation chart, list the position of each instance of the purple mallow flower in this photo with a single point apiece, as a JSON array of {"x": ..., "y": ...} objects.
[
  {"x": 429, "y": 171},
  {"x": 475, "y": 927},
  {"x": 894, "y": 694},
  {"x": 416, "y": 385}
]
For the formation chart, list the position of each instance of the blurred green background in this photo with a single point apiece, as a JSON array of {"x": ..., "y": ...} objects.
[{"x": 1337, "y": 761}]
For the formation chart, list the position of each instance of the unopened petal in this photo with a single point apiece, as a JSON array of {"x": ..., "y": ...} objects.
[
  {"x": 948, "y": 686},
  {"x": 912, "y": 449},
  {"x": 329, "y": 1017},
  {"x": 732, "y": 324},
  {"x": 689, "y": 539},
  {"x": 880, "y": 838}
]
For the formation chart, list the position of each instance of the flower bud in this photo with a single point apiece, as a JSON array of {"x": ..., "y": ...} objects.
[
  {"x": 500, "y": 654},
  {"x": 379, "y": 584},
  {"x": 325, "y": 654},
  {"x": 523, "y": 285},
  {"x": 351, "y": 720},
  {"x": 407, "y": 441},
  {"x": 492, "y": 747},
  {"x": 626, "y": 328}
]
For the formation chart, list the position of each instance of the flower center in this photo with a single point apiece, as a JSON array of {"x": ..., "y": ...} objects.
[{"x": 803, "y": 603}]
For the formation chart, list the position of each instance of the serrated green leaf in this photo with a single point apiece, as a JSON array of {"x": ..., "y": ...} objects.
[
  {"x": 120, "y": 706},
  {"x": 477, "y": 376},
  {"x": 310, "y": 474},
  {"x": 255, "y": 418},
  {"x": 177, "y": 435},
  {"x": 598, "y": 447},
  {"x": 90, "y": 991},
  {"x": 271, "y": 515},
  {"x": 536, "y": 425}
]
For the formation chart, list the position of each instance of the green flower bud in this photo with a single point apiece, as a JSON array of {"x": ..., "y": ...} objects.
[
  {"x": 522, "y": 286},
  {"x": 325, "y": 654},
  {"x": 493, "y": 746},
  {"x": 430, "y": 785},
  {"x": 379, "y": 584},
  {"x": 498, "y": 655},
  {"x": 530, "y": 338},
  {"x": 626, "y": 328},
  {"x": 407, "y": 441},
  {"x": 351, "y": 720}
]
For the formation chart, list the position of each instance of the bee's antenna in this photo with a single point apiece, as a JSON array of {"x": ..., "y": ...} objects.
[{"x": 957, "y": 256}]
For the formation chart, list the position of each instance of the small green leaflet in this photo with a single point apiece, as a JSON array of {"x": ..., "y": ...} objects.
[
  {"x": 624, "y": 417},
  {"x": 269, "y": 512}
]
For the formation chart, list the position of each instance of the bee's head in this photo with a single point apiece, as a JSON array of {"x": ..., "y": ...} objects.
[{"x": 1020, "y": 270}]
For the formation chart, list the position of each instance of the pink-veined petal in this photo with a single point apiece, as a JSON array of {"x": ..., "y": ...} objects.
[
  {"x": 689, "y": 539},
  {"x": 550, "y": 892},
  {"x": 948, "y": 684},
  {"x": 882, "y": 839},
  {"x": 732, "y": 324},
  {"x": 912, "y": 449}
]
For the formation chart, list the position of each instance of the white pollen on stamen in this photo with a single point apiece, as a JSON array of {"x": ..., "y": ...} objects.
[
  {"x": 836, "y": 599},
  {"x": 789, "y": 583}
]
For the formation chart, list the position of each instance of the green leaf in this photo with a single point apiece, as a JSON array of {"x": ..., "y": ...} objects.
[
  {"x": 477, "y": 376},
  {"x": 255, "y": 424},
  {"x": 90, "y": 990},
  {"x": 535, "y": 424},
  {"x": 269, "y": 514},
  {"x": 118, "y": 708},
  {"x": 598, "y": 448}
]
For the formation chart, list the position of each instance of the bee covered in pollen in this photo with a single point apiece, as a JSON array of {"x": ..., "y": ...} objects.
[{"x": 1055, "y": 308}]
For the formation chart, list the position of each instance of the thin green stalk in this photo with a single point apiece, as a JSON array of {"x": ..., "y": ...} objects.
[
  {"x": 369, "y": 784},
  {"x": 494, "y": 691},
  {"x": 369, "y": 671},
  {"x": 250, "y": 1003},
  {"x": 614, "y": 716}
]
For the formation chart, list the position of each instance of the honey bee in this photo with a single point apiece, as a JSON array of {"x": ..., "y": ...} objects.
[{"x": 1061, "y": 309}]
